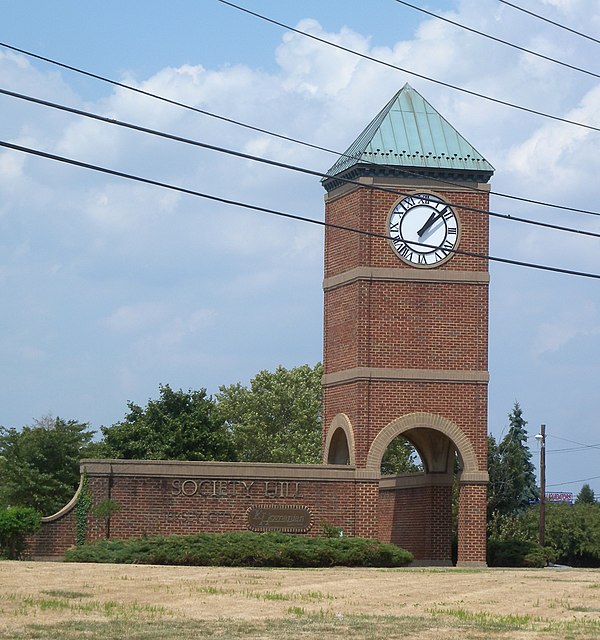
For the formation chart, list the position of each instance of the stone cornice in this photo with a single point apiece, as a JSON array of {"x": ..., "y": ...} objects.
[
  {"x": 385, "y": 274},
  {"x": 228, "y": 470},
  {"x": 474, "y": 477},
  {"x": 357, "y": 374}
]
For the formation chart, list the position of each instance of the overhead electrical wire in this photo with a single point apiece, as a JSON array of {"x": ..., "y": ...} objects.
[
  {"x": 448, "y": 85},
  {"x": 317, "y": 147},
  {"x": 571, "y": 449},
  {"x": 268, "y": 132},
  {"x": 246, "y": 156},
  {"x": 499, "y": 40},
  {"x": 192, "y": 192},
  {"x": 581, "y": 444},
  {"x": 562, "y": 484},
  {"x": 552, "y": 22}
]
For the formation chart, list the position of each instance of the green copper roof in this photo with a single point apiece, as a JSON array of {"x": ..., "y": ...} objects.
[{"x": 409, "y": 133}]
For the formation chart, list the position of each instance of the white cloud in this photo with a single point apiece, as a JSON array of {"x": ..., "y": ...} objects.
[
  {"x": 151, "y": 286},
  {"x": 583, "y": 322},
  {"x": 133, "y": 317}
]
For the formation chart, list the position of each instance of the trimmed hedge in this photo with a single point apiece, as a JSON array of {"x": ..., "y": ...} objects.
[{"x": 244, "y": 549}]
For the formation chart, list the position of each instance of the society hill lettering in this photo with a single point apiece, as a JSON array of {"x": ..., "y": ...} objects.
[{"x": 209, "y": 488}]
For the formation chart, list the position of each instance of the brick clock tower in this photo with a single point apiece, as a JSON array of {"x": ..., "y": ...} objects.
[{"x": 406, "y": 326}]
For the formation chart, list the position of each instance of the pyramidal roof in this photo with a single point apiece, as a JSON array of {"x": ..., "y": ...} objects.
[{"x": 409, "y": 133}]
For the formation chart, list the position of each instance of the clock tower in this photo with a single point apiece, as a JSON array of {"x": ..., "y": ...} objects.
[{"x": 406, "y": 324}]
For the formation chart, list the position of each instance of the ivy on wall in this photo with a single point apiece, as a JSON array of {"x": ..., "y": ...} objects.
[{"x": 82, "y": 508}]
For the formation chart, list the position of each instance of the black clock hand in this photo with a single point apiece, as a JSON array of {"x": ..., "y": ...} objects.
[{"x": 432, "y": 218}]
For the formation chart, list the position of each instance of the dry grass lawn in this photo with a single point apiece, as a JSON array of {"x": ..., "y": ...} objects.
[{"x": 59, "y": 601}]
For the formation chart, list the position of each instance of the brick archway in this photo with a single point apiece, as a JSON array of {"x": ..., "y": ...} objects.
[
  {"x": 339, "y": 425},
  {"x": 424, "y": 420}
]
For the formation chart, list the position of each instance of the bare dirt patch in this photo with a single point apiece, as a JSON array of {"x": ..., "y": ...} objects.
[{"x": 59, "y": 600}]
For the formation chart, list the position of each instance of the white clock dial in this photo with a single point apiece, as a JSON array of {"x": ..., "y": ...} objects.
[{"x": 423, "y": 230}]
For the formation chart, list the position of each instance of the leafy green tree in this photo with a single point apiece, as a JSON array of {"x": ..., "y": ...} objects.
[
  {"x": 400, "y": 457},
  {"x": 586, "y": 495},
  {"x": 572, "y": 532},
  {"x": 179, "y": 425},
  {"x": 39, "y": 465},
  {"x": 278, "y": 417},
  {"x": 512, "y": 484}
]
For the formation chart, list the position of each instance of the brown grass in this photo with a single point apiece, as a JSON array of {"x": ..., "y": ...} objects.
[{"x": 68, "y": 601}]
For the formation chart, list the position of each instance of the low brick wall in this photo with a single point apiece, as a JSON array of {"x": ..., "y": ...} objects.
[
  {"x": 415, "y": 513},
  {"x": 172, "y": 497}
]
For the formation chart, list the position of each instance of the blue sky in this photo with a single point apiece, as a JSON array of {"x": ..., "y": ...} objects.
[{"x": 111, "y": 288}]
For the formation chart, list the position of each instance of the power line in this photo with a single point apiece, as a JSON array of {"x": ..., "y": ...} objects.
[
  {"x": 156, "y": 183},
  {"x": 562, "y": 484},
  {"x": 246, "y": 156},
  {"x": 499, "y": 40},
  {"x": 412, "y": 73},
  {"x": 572, "y": 449},
  {"x": 271, "y": 133},
  {"x": 552, "y": 22},
  {"x": 581, "y": 444}
]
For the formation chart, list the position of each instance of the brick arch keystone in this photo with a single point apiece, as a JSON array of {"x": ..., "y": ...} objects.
[
  {"x": 422, "y": 419},
  {"x": 340, "y": 421}
]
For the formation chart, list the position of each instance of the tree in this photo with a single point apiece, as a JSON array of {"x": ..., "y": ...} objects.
[
  {"x": 586, "y": 495},
  {"x": 39, "y": 465},
  {"x": 400, "y": 457},
  {"x": 180, "y": 425},
  {"x": 512, "y": 485},
  {"x": 278, "y": 417},
  {"x": 572, "y": 531}
]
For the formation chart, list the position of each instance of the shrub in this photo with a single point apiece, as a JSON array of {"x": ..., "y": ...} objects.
[
  {"x": 244, "y": 549},
  {"x": 517, "y": 553},
  {"x": 16, "y": 523}
]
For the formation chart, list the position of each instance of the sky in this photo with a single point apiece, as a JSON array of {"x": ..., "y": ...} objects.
[{"x": 110, "y": 288}]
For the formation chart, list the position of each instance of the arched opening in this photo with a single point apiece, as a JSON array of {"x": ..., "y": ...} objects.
[
  {"x": 418, "y": 509},
  {"x": 339, "y": 442},
  {"x": 339, "y": 452}
]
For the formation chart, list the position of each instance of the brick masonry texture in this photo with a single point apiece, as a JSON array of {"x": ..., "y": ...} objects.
[
  {"x": 211, "y": 500},
  {"x": 406, "y": 324},
  {"x": 404, "y": 520}
]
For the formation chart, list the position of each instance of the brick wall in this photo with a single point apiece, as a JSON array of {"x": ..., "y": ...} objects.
[
  {"x": 161, "y": 498},
  {"x": 371, "y": 405},
  {"x": 417, "y": 518},
  {"x": 54, "y": 538},
  {"x": 439, "y": 325},
  {"x": 367, "y": 210},
  {"x": 472, "y": 524}
]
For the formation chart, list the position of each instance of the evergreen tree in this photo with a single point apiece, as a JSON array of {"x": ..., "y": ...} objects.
[
  {"x": 512, "y": 474},
  {"x": 586, "y": 495}
]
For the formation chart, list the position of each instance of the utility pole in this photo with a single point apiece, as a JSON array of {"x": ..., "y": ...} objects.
[{"x": 541, "y": 438}]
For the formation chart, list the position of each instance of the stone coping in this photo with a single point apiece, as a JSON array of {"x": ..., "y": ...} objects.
[
  {"x": 64, "y": 510},
  {"x": 230, "y": 470},
  {"x": 415, "y": 480}
]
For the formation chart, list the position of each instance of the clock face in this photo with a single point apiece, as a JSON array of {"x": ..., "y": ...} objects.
[{"x": 423, "y": 230}]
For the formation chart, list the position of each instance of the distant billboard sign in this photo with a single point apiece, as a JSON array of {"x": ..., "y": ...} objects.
[{"x": 559, "y": 496}]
